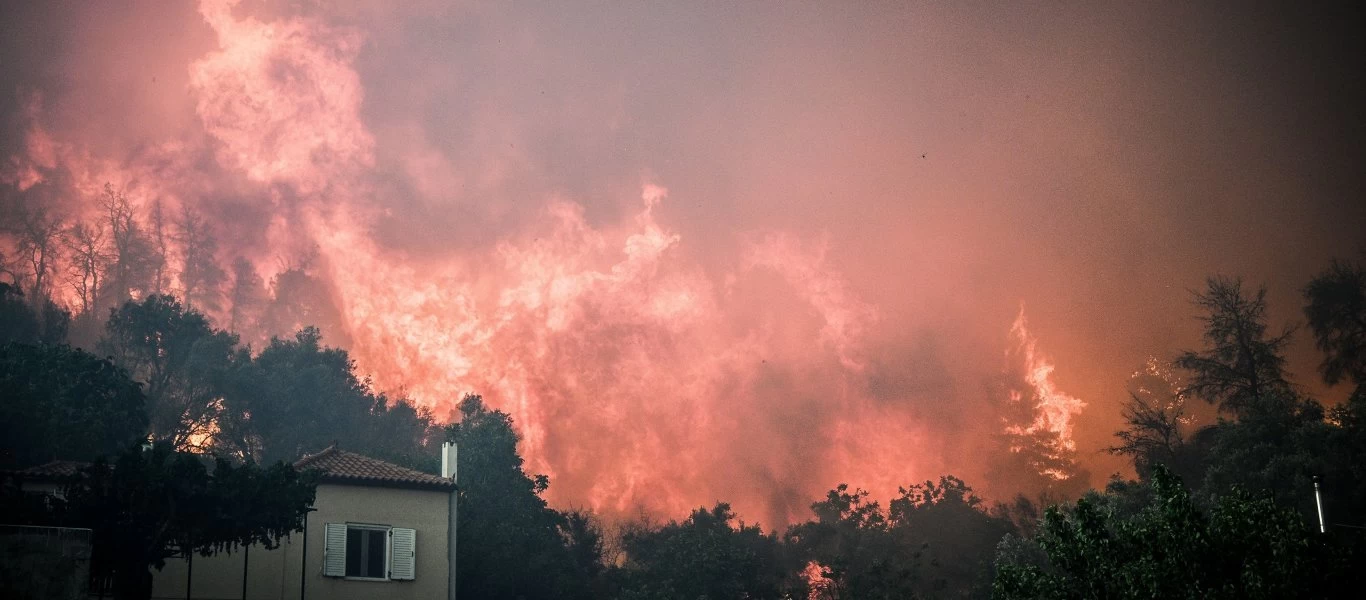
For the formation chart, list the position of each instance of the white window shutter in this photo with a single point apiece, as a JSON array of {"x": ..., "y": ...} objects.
[
  {"x": 402, "y": 553},
  {"x": 334, "y": 550}
]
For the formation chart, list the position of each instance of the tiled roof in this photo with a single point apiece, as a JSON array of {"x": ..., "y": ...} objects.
[
  {"x": 53, "y": 470},
  {"x": 340, "y": 466}
]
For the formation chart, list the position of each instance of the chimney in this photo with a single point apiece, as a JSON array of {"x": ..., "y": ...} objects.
[{"x": 448, "y": 456}]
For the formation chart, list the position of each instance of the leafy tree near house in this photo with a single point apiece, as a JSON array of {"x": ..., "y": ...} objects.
[
  {"x": 296, "y": 396},
  {"x": 150, "y": 505},
  {"x": 180, "y": 359},
  {"x": 512, "y": 545},
  {"x": 399, "y": 431},
  {"x": 58, "y": 402},
  {"x": 299, "y": 395}
]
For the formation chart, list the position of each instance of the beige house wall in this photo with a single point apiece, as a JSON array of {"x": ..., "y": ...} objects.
[{"x": 274, "y": 574}]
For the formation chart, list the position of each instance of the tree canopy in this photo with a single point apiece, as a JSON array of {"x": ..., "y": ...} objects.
[
  {"x": 1242, "y": 365},
  {"x": 706, "y": 556},
  {"x": 58, "y": 402},
  {"x": 179, "y": 358},
  {"x": 1243, "y": 547},
  {"x": 1241, "y": 524},
  {"x": 512, "y": 545},
  {"x": 152, "y": 503},
  {"x": 1336, "y": 309}
]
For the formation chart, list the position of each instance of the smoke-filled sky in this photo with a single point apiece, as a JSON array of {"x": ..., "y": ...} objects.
[{"x": 737, "y": 251}]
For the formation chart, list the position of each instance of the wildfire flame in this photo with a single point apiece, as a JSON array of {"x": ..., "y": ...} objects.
[
  {"x": 1054, "y": 410},
  {"x": 639, "y": 375}
]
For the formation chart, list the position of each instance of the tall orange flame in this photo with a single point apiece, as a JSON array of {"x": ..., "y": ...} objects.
[{"x": 1054, "y": 410}]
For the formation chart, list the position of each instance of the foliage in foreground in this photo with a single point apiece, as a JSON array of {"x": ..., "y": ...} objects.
[
  {"x": 1242, "y": 547},
  {"x": 58, "y": 402},
  {"x": 153, "y": 504}
]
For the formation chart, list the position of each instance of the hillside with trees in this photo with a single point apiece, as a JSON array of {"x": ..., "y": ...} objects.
[{"x": 1219, "y": 506}]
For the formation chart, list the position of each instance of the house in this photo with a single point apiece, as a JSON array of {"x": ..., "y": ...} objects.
[
  {"x": 376, "y": 530},
  {"x": 47, "y": 478}
]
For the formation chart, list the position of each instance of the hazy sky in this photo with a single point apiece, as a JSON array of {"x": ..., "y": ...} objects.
[{"x": 861, "y": 197}]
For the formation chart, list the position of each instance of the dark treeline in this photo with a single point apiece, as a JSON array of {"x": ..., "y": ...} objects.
[{"x": 1221, "y": 505}]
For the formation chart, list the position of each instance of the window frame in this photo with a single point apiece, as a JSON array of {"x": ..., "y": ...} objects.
[{"x": 388, "y": 550}]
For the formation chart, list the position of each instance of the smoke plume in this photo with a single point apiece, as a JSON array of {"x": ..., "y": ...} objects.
[{"x": 703, "y": 252}]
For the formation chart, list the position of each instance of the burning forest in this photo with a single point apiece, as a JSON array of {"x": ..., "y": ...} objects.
[{"x": 903, "y": 297}]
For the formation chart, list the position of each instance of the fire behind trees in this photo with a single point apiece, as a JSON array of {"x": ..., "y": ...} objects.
[
  {"x": 83, "y": 264},
  {"x": 1242, "y": 524}
]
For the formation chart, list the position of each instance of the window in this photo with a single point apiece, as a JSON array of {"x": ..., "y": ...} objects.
[{"x": 367, "y": 551}]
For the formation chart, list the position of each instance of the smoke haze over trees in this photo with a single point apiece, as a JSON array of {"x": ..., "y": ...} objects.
[
  {"x": 1241, "y": 520},
  {"x": 836, "y": 273},
  {"x": 684, "y": 271}
]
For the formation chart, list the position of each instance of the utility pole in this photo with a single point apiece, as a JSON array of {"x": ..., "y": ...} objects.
[
  {"x": 303, "y": 561},
  {"x": 246, "y": 562}
]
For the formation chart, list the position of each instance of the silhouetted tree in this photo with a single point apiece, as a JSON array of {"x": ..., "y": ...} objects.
[
  {"x": 302, "y": 299},
  {"x": 852, "y": 551},
  {"x": 935, "y": 540},
  {"x": 180, "y": 359},
  {"x": 1279, "y": 439},
  {"x": 200, "y": 276},
  {"x": 1241, "y": 365},
  {"x": 705, "y": 557},
  {"x": 19, "y": 322},
  {"x": 1163, "y": 434},
  {"x": 150, "y": 505},
  {"x": 1344, "y": 474},
  {"x": 160, "y": 257},
  {"x": 299, "y": 396},
  {"x": 247, "y": 299},
  {"x": 401, "y": 432},
  {"x": 1161, "y": 427},
  {"x": 62, "y": 403},
  {"x": 38, "y": 236},
  {"x": 296, "y": 396},
  {"x": 1243, "y": 547},
  {"x": 86, "y": 245},
  {"x": 586, "y": 543},
  {"x": 512, "y": 545},
  {"x": 954, "y": 533},
  {"x": 132, "y": 255},
  {"x": 1336, "y": 310}
]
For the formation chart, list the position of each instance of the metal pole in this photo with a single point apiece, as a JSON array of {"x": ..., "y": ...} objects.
[
  {"x": 189, "y": 572},
  {"x": 1318, "y": 500},
  {"x": 246, "y": 561},
  {"x": 303, "y": 562}
]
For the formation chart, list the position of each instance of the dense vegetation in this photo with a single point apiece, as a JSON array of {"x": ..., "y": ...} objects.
[{"x": 1218, "y": 507}]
